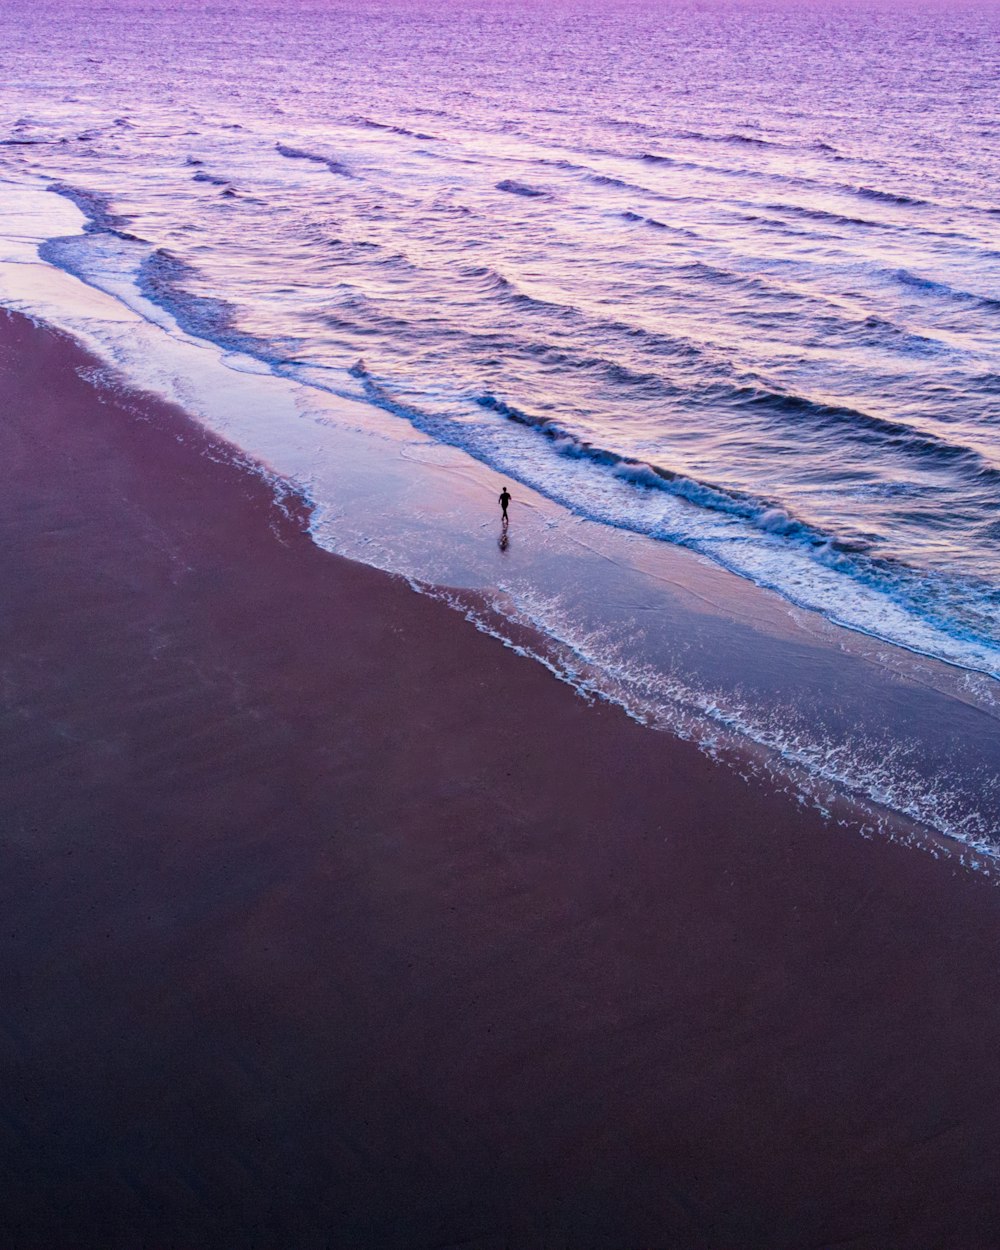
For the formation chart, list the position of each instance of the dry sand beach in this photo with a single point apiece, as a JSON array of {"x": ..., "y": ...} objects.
[{"x": 330, "y": 922}]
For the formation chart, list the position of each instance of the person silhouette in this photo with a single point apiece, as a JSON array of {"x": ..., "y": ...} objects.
[{"x": 504, "y": 501}]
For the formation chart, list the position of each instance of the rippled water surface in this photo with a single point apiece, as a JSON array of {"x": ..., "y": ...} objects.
[{"x": 724, "y": 275}]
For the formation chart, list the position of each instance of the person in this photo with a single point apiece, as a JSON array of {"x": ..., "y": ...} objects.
[{"x": 504, "y": 501}]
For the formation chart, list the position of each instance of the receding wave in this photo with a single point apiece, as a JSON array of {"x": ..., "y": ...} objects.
[
  {"x": 95, "y": 207},
  {"x": 163, "y": 278}
]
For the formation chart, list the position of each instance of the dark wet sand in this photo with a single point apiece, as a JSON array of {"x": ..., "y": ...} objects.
[{"x": 328, "y": 922}]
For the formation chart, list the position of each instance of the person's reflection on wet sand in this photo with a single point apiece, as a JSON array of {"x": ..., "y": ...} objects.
[{"x": 503, "y": 540}]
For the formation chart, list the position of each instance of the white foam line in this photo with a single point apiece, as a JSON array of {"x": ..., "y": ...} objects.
[{"x": 679, "y": 707}]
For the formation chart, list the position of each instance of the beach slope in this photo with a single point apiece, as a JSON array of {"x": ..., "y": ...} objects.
[{"x": 329, "y": 921}]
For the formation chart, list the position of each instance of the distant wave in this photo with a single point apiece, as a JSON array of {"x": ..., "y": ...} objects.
[
  {"x": 300, "y": 154},
  {"x": 811, "y": 185},
  {"x": 651, "y": 383},
  {"x": 503, "y": 289},
  {"x": 773, "y": 223},
  {"x": 757, "y": 283},
  {"x": 752, "y": 140},
  {"x": 731, "y": 137},
  {"x": 599, "y": 330},
  {"x": 736, "y": 137},
  {"x": 890, "y": 334},
  {"x": 216, "y": 181},
  {"x": 633, "y": 127},
  {"x": 892, "y": 197},
  {"x": 930, "y": 285},
  {"x": 560, "y": 162},
  {"x": 895, "y": 433},
  {"x": 369, "y": 124},
  {"x": 605, "y": 180},
  {"x": 497, "y": 284},
  {"x": 796, "y": 180},
  {"x": 822, "y": 214},
  {"x": 726, "y": 277},
  {"x": 647, "y": 221},
  {"x": 522, "y": 188},
  {"x": 623, "y": 184}
]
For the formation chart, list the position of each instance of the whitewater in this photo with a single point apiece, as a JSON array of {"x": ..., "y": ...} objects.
[{"x": 726, "y": 279}]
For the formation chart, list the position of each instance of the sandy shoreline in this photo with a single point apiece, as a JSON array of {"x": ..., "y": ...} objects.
[{"x": 330, "y": 922}]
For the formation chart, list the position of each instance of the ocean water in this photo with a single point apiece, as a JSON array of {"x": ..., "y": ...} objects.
[{"x": 722, "y": 276}]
